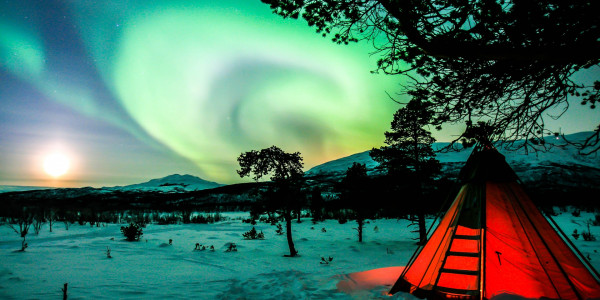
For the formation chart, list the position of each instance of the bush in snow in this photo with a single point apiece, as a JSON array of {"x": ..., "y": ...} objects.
[
  {"x": 326, "y": 261},
  {"x": 206, "y": 219},
  {"x": 200, "y": 247},
  {"x": 253, "y": 235},
  {"x": 588, "y": 236},
  {"x": 279, "y": 230},
  {"x": 231, "y": 248},
  {"x": 168, "y": 219},
  {"x": 575, "y": 234},
  {"x": 133, "y": 232},
  {"x": 576, "y": 213}
]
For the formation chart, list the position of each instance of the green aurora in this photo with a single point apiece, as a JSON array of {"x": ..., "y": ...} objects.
[{"x": 209, "y": 82}]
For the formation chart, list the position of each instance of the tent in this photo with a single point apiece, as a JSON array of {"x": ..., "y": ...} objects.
[{"x": 494, "y": 242}]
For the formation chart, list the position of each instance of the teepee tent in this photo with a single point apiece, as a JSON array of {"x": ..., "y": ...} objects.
[{"x": 494, "y": 242}]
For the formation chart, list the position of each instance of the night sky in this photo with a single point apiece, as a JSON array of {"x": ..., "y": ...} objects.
[{"x": 129, "y": 91}]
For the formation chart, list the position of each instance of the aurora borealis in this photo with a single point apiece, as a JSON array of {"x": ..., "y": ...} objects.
[{"x": 134, "y": 90}]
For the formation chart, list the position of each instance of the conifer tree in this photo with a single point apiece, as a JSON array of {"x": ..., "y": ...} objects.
[
  {"x": 354, "y": 192},
  {"x": 409, "y": 156},
  {"x": 284, "y": 191}
]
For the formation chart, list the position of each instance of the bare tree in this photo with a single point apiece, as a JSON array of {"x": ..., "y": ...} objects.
[{"x": 21, "y": 224}]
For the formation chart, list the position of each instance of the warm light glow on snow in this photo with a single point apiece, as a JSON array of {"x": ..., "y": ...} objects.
[{"x": 56, "y": 164}]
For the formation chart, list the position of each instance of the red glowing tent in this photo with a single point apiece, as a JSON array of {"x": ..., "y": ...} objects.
[{"x": 494, "y": 242}]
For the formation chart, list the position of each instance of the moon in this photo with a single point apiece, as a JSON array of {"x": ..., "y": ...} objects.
[{"x": 56, "y": 164}]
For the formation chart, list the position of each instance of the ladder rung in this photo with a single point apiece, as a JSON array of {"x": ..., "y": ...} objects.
[
  {"x": 456, "y": 291},
  {"x": 462, "y": 272},
  {"x": 467, "y": 237},
  {"x": 469, "y": 254}
]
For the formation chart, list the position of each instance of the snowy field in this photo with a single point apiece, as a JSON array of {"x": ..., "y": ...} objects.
[{"x": 153, "y": 269}]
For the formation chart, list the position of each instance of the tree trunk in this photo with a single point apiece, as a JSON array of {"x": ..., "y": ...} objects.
[
  {"x": 64, "y": 290},
  {"x": 299, "y": 213},
  {"x": 360, "y": 223},
  {"x": 421, "y": 215},
  {"x": 422, "y": 228},
  {"x": 288, "y": 229}
]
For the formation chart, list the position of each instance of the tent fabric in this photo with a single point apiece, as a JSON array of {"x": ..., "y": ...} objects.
[{"x": 516, "y": 251}]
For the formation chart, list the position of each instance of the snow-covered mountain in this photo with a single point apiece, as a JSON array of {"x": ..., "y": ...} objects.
[
  {"x": 171, "y": 183},
  {"x": 560, "y": 163},
  {"x": 21, "y": 188}
]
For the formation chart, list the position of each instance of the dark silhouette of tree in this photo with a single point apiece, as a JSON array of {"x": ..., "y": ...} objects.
[
  {"x": 355, "y": 195},
  {"x": 20, "y": 223},
  {"x": 316, "y": 204},
  {"x": 284, "y": 191},
  {"x": 409, "y": 156},
  {"x": 510, "y": 63}
]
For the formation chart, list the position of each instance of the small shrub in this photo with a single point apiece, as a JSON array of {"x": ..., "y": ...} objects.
[
  {"x": 342, "y": 220},
  {"x": 576, "y": 213},
  {"x": 231, "y": 248},
  {"x": 588, "y": 236},
  {"x": 108, "y": 252},
  {"x": 253, "y": 235},
  {"x": 575, "y": 234},
  {"x": 168, "y": 220},
  {"x": 133, "y": 232},
  {"x": 279, "y": 230},
  {"x": 326, "y": 261},
  {"x": 323, "y": 229},
  {"x": 596, "y": 221}
]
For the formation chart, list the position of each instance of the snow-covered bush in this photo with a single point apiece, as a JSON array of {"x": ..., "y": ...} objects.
[
  {"x": 252, "y": 234},
  {"x": 133, "y": 232}
]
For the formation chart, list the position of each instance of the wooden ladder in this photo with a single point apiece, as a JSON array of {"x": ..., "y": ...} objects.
[{"x": 444, "y": 269}]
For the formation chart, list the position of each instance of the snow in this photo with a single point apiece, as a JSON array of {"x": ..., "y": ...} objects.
[
  {"x": 153, "y": 269},
  {"x": 557, "y": 152},
  {"x": 20, "y": 188},
  {"x": 171, "y": 183}
]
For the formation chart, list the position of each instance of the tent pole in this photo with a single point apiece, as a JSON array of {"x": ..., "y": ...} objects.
[
  {"x": 535, "y": 251},
  {"x": 482, "y": 248}
]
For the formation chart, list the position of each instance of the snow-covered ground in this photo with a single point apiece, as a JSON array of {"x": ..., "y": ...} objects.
[{"x": 153, "y": 269}]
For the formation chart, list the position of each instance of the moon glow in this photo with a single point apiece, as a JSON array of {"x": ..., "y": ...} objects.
[{"x": 56, "y": 165}]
